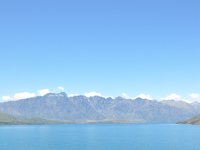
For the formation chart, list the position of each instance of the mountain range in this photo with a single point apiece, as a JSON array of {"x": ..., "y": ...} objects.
[{"x": 58, "y": 107}]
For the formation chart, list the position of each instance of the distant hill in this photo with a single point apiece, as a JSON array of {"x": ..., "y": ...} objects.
[
  {"x": 194, "y": 121},
  {"x": 80, "y": 109},
  {"x": 6, "y": 119}
]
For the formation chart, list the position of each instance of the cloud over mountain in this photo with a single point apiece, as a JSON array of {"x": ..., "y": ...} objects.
[
  {"x": 172, "y": 96},
  {"x": 144, "y": 96},
  {"x": 18, "y": 96},
  {"x": 25, "y": 95},
  {"x": 91, "y": 94},
  {"x": 194, "y": 97}
]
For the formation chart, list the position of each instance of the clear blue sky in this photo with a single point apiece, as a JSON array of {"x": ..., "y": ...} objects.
[{"x": 132, "y": 46}]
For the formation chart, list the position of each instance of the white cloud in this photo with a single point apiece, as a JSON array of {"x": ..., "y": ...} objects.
[
  {"x": 125, "y": 95},
  {"x": 6, "y": 98},
  {"x": 18, "y": 96},
  {"x": 172, "y": 96},
  {"x": 72, "y": 95},
  {"x": 194, "y": 97},
  {"x": 144, "y": 96},
  {"x": 61, "y": 88},
  {"x": 43, "y": 92},
  {"x": 91, "y": 94},
  {"x": 23, "y": 95}
]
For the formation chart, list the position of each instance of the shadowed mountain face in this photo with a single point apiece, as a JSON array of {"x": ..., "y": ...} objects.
[{"x": 98, "y": 109}]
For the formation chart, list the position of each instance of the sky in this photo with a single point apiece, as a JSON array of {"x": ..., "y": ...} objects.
[{"x": 112, "y": 47}]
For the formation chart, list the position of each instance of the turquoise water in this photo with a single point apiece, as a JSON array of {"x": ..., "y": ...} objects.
[{"x": 100, "y": 137}]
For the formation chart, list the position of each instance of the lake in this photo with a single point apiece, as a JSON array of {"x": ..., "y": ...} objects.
[{"x": 100, "y": 137}]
